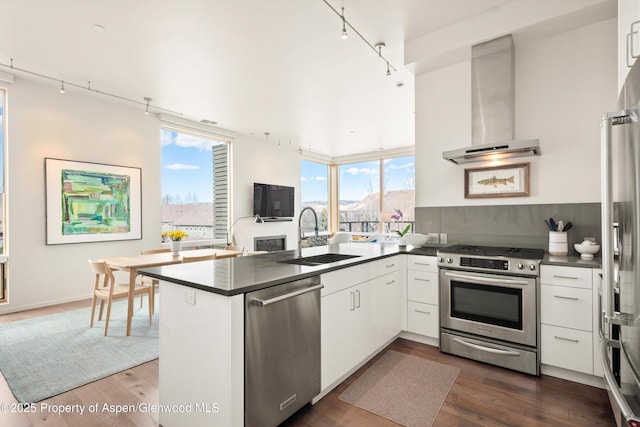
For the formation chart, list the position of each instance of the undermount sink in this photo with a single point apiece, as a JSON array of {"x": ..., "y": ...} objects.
[{"x": 319, "y": 259}]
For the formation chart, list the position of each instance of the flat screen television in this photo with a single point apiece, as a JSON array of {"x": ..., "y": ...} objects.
[{"x": 273, "y": 201}]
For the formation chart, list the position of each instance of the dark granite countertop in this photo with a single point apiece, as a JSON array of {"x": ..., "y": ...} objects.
[
  {"x": 233, "y": 276},
  {"x": 572, "y": 261}
]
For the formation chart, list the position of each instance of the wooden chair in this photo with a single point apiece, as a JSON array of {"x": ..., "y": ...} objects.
[
  {"x": 106, "y": 289},
  {"x": 197, "y": 258},
  {"x": 148, "y": 281}
]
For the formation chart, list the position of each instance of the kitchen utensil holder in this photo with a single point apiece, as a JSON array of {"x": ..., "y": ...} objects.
[{"x": 558, "y": 243}]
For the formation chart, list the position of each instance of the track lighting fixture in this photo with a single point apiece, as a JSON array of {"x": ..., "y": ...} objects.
[
  {"x": 146, "y": 110},
  {"x": 377, "y": 48},
  {"x": 344, "y": 27},
  {"x": 13, "y": 69}
]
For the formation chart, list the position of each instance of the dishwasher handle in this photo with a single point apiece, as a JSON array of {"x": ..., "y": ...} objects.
[{"x": 262, "y": 303}]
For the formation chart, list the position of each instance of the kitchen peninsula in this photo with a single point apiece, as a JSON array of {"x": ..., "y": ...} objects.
[{"x": 202, "y": 325}]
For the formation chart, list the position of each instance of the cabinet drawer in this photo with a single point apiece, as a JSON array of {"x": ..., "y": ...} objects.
[
  {"x": 567, "y": 348},
  {"x": 566, "y": 307},
  {"x": 422, "y": 263},
  {"x": 574, "y": 277},
  {"x": 341, "y": 279},
  {"x": 388, "y": 265},
  {"x": 422, "y": 287},
  {"x": 423, "y": 319}
]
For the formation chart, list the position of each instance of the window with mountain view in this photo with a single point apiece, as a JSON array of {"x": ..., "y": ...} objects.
[
  {"x": 314, "y": 192},
  {"x": 359, "y": 197},
  {"x": 398, "y": 203},
  {"x": 194, "y": 185}
]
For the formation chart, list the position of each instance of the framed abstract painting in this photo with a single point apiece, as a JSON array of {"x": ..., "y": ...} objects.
[{"x": 91, "y": 202}]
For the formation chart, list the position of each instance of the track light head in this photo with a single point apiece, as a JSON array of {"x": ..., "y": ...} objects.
[
  {"x": 61, "y": 86},
  {"x": 388, "y": 70},
  {"x": 344, "y": 35},
  {"x": 146, "y": 110}
]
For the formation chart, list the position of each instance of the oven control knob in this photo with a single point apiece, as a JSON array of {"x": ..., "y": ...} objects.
[
  {"x": 440, "y": 259},
  {"x": 520, "y": 266},
  {"x": 532, "y": 267},
  {"x": 450, "y": 260}
]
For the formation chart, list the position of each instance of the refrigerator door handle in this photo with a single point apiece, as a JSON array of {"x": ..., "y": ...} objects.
[
  {"x": 606, "y": 127},
  {"x": 631, "y": 419}
]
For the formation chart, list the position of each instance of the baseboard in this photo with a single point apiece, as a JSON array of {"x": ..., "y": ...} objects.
[
  {"x": 7, "y": 308},
  {"x": 419, "y": 338},
  {"x": 576, "y": 377}
]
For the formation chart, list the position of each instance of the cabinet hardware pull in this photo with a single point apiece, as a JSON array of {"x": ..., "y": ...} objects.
[
  {"x": 421, "y": 311},
  {"x": 390, "y": 265},
  {"x": 420, "y": 279},
  {"x": 357, "y": 299},
  {"x": 565, "y": 339},
  {"x": 391, "y": 282},
  {"x": 353, "y": 301},
  {"x": 631, "y": 44},
  {"x": 421, "y": 263},
  {"x": 565, "y": 277},
  {"x": 562, "y": 297}
]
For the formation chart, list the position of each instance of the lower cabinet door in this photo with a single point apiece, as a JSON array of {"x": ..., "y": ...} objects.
[
  {"x": 390, "y": 300},
  {"x": 366, "y": 336},
  {"x": 336, "y": 335},
  {"x": 423, "y": 319},
  {"x": 567, "y": 348}
]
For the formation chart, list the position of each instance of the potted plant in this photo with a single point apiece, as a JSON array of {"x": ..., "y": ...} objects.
[{"x": 397, "y": 216}]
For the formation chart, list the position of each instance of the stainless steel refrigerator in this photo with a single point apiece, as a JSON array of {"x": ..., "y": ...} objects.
[{"x": 620, "y": 291}]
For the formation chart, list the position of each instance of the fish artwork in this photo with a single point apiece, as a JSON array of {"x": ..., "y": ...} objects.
[{"x": 495, "y": 181}]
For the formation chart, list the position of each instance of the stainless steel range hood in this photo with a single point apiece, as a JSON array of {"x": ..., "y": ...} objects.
[{"x": 493, "y": 106}]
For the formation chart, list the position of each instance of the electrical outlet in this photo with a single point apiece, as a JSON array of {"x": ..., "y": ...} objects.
[
  {"x": 432, "y": 237},
  {"x": 443, "y": 238},
  {"x": 189, "y": 297}
]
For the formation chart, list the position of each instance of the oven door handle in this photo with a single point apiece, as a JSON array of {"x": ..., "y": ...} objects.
[
  {"x": 487, "y": 279},
  {"x": 487, "y": 349}
]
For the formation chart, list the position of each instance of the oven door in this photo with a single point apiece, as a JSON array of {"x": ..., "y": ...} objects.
[{"x": 490, "y": 305}]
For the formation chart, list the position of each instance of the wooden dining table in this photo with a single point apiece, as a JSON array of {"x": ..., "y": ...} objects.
[{"x": 135, "y": 262}]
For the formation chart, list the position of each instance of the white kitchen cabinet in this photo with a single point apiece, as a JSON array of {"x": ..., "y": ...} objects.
[
  {"x": 628, "y": 37},
  {"x": 423, "y": 296},
  {"x": 597, "y": 288},
  {"x": 360, "y": 312},
  {"x": 390, "y": 306},
  {"x": 566, "y": 317}
]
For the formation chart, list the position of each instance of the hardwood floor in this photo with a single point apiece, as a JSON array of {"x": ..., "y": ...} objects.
[{"x": 482, "y": 395}]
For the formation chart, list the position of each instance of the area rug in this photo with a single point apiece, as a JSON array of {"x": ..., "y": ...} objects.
[
  {"x": 402, "y": 388},
  {"x": 48, "y": 355}
]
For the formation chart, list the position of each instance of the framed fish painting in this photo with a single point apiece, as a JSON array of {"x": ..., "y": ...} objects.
[
  {"x": 91, "y": 202},
  {"x": 497, "y": 181}
]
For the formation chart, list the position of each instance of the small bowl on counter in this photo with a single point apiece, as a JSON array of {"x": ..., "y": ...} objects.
[
  {"x": 416, "y": 239},
  {"x": 587, "y": 249}
]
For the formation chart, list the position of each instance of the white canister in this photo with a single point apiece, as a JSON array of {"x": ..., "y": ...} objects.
[{"x": 558, "y": 243}]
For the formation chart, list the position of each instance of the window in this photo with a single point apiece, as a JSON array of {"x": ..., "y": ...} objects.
[
  {"x": 2, "y": 193},
  {"x": 314, "y": 192},
  {"x": 194, "y": 185},
  {"x": 359, "y": 194},
  {"x": 399, "y": 201}
]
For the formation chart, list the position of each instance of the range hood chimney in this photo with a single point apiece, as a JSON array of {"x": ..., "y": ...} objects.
[{"x": 493, "y": 106}]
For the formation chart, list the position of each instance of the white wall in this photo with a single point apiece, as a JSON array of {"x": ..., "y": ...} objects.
[
  {"x": 85, "y": 127},
  {"x": 74, "y": 126},
  {"x": 564, "y": 84},
  {"x": 259, "y": 160}
]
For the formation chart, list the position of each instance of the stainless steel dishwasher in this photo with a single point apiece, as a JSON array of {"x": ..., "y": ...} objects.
[{"x": 282, "y": 350}]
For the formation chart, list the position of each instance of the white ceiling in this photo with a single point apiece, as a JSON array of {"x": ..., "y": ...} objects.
[{"x": 254, "y": 66}]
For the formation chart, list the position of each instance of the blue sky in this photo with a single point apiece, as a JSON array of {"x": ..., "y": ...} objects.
[
  {"x": 187, "y": 167},
  {"x": 358, "y": 179}
]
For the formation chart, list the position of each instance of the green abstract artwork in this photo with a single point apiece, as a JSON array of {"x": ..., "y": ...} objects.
[{"x": 95, "y": 202}]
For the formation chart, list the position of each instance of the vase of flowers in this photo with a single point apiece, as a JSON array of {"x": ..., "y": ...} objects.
[
  {"x": 397, "y": 216},
  {"x": 176, "y": 237}
]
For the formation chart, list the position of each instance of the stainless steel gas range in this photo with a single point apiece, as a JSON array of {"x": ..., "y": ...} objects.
[{"x": 489, "y": 305}]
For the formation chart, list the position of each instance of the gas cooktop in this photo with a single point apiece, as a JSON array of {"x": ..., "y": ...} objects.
[{"x": 493, "y": 251}]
